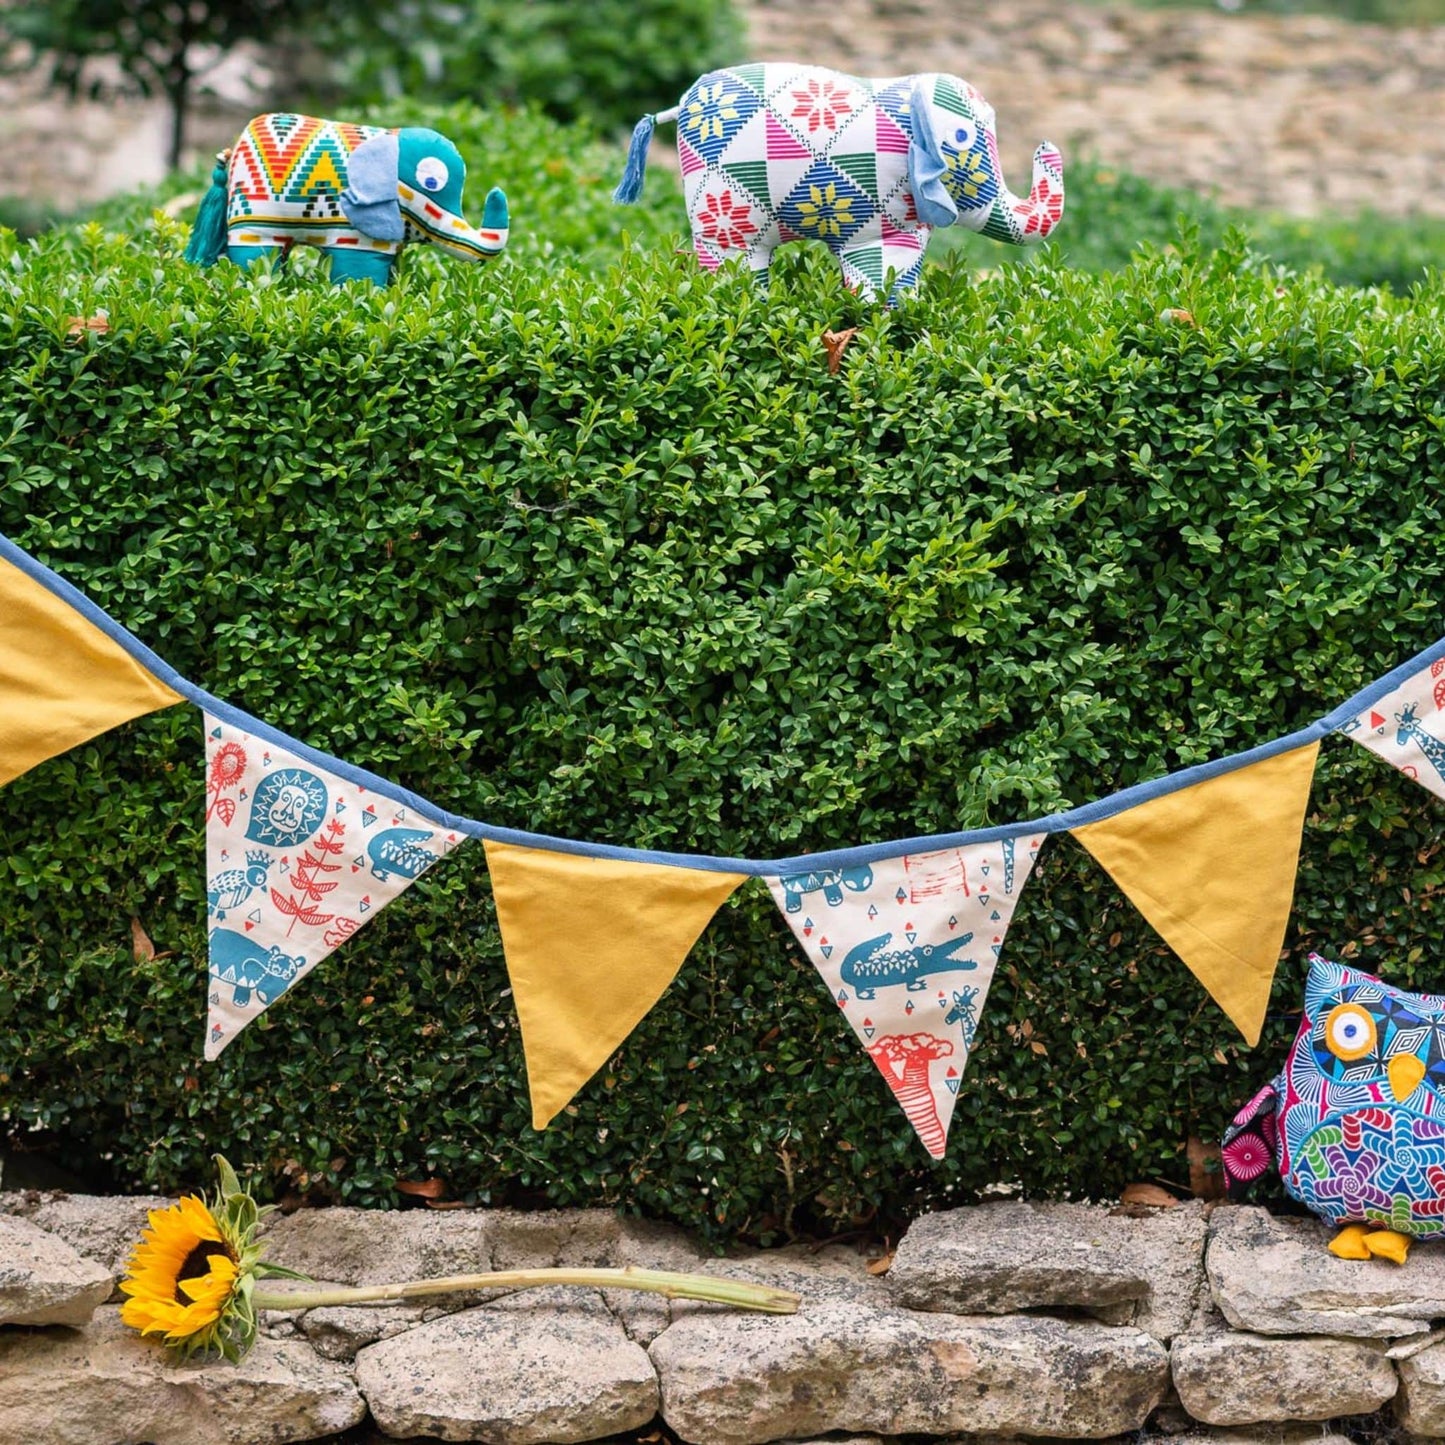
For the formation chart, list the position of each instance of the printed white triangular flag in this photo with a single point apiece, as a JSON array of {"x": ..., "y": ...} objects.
[
  {"x": 1406, "y": 727},
  {"x": 284, "y": 886},
  {"x": 907, "y": 947}
]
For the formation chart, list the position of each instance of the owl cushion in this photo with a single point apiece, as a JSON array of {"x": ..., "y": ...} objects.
[{"x": 1356, "y": 1121}]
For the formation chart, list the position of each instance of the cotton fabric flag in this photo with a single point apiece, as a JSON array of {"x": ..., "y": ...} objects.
[
  {"x": 1212, "y": 867},
  {"x": 591, "y": 945},
  {"x": 63, "y": 679},
  {"x": 1406, "y": 727},
  {"x": 907, "y": 947},
  {"x": 297, "y": 859}
]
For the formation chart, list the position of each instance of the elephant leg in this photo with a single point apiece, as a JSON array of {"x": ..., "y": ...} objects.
[
  {"x": 349, "y": 265},
  {"x": 895, "y": 262},
  {"x": 244, "y": 255},
  {"x": 903, "y": 257},
  {"x": 712, "y": 258}
]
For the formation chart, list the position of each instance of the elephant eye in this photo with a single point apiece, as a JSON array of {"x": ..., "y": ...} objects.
[
  {"x": 965, "y": 136},
  {"x": 431, "y": 174},
  {"x": 1349, "y": 1032}
]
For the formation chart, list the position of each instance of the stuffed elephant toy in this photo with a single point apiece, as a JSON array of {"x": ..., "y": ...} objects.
[
  {"x": 773, "y": 153},
  {"x": 359, "y": 192}
]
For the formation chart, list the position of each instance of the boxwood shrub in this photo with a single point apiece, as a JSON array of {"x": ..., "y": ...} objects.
[{"x": 591, "y": 543}]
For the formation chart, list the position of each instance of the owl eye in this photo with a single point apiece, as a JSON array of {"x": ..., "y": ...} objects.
[{"x": 1349, "y": 1032}]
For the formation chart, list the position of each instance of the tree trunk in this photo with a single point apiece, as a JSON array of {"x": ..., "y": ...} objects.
[{"x": 178, "y": 92}]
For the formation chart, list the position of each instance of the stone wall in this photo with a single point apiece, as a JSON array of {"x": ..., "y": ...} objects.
[
  {"x": 1300, "y": 113},
  {"x": 1296, "y": 113},
  {"x": 1008, "y": 1320}
]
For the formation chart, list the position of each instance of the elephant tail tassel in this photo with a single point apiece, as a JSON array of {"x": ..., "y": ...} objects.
[
  {"x": 208, "y": 234},
  {"x": 629, "y": 188}
]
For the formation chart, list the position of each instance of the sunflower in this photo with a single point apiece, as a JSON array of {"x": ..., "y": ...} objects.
[
  {"x": 181, "y": 1275},
  {"x": 191, "y": 1278}
]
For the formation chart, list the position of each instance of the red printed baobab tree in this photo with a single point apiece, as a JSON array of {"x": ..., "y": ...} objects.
[{"x": 903, "y": 1060}]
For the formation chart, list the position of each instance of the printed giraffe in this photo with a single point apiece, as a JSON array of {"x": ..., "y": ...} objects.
[{"x": 1410, "y": 730}]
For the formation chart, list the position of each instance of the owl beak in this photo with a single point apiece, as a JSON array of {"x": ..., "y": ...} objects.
[{"x": 1404, "y": 1072}]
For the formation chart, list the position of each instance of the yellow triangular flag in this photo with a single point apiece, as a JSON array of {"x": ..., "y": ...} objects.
[
  {"x": 591, "y": 945},
  {"x": 1212, "y": 867},
  {"x": 62, "y": 679}
]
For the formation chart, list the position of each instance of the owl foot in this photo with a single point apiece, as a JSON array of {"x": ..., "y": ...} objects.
[
  {"x": 1386, "y": 1244},
  {"x": 1349, "y": 1243}
]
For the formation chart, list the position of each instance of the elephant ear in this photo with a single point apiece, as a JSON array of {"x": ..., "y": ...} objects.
[
  {"x": 370, "y": 199},
  {"x": 926, "y": 165}
]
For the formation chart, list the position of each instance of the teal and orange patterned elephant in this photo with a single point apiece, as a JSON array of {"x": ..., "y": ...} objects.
[
  {"x": 359, "y": 192},
  {"x": 773, "y": 153}
]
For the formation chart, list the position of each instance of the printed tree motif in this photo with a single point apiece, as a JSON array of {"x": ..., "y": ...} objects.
[
  {"x": 903, "y": 1060},
  {"x": 313, "y": 890}
]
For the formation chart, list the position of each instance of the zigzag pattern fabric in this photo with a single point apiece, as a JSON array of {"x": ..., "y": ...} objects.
[
  {"x": 286, "y": 175},
  {"x": 907, "y": 947},
  {"x": 773, "y": 153}
]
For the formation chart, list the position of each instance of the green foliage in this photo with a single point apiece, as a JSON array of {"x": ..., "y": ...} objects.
[
  {"x": 1111, "y": 213},
  {"x": 608, "y": 62},
  {"x": 589, "y": 542}
]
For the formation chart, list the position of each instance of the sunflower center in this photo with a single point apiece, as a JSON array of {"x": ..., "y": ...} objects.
[{"x": 197, "y": 1264}]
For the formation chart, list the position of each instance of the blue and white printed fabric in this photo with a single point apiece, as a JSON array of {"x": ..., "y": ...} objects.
[
  {"x": 1406, "y": 727},
  {"x": 297, "y": 859},
  {"x": 907, "y": 947}
]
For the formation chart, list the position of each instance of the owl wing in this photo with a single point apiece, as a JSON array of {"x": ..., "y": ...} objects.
[{"x": 1251, "y": 1143}]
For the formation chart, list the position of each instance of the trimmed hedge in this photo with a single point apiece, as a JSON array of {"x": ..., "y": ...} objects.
[{"x": 607, "y": 552}]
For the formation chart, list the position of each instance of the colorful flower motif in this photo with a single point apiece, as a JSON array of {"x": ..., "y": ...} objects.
[
  {"x": 825, "y": 213},
  {"x": 1246, "y": 1158},
  {"x": 707, "y": 114},
  {"x": 822, "y": 103},
  {"x": 726, "y": 222},
  {"x": 972, "y": 176},
  {"x": 1042, "y": 210},
  {"x": 1353, "y": 1182},
  {"x": 227, "y": 769}
]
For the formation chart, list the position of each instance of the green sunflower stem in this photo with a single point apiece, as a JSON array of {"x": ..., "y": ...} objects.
[{"x": 653, "y": 1281}]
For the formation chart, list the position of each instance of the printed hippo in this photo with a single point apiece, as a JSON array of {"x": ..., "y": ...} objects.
[{"x": 247, "y": 964}]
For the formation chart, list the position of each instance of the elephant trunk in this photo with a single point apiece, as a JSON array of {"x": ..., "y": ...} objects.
[
  {"x": 452, "y": 233},
  {"x": 1026, "y": 221}
]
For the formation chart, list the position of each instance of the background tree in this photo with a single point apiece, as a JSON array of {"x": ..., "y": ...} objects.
[{"x": 153, "y": 48}]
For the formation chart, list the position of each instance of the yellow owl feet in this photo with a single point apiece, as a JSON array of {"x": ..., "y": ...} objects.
[{"x": 1359, "y": 1241}]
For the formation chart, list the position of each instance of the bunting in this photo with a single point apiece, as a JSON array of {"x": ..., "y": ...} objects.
[
  {"x": 297, "y": 859},
  {"x": 64, "y": 679},
  {"x": 1406, "y": 727},
  {"x": 907, "y": 947},
  {"x": 1212, "y": 867},
  {"x": 591, "y": 945},
  {"x": 303, "y": 849}
]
